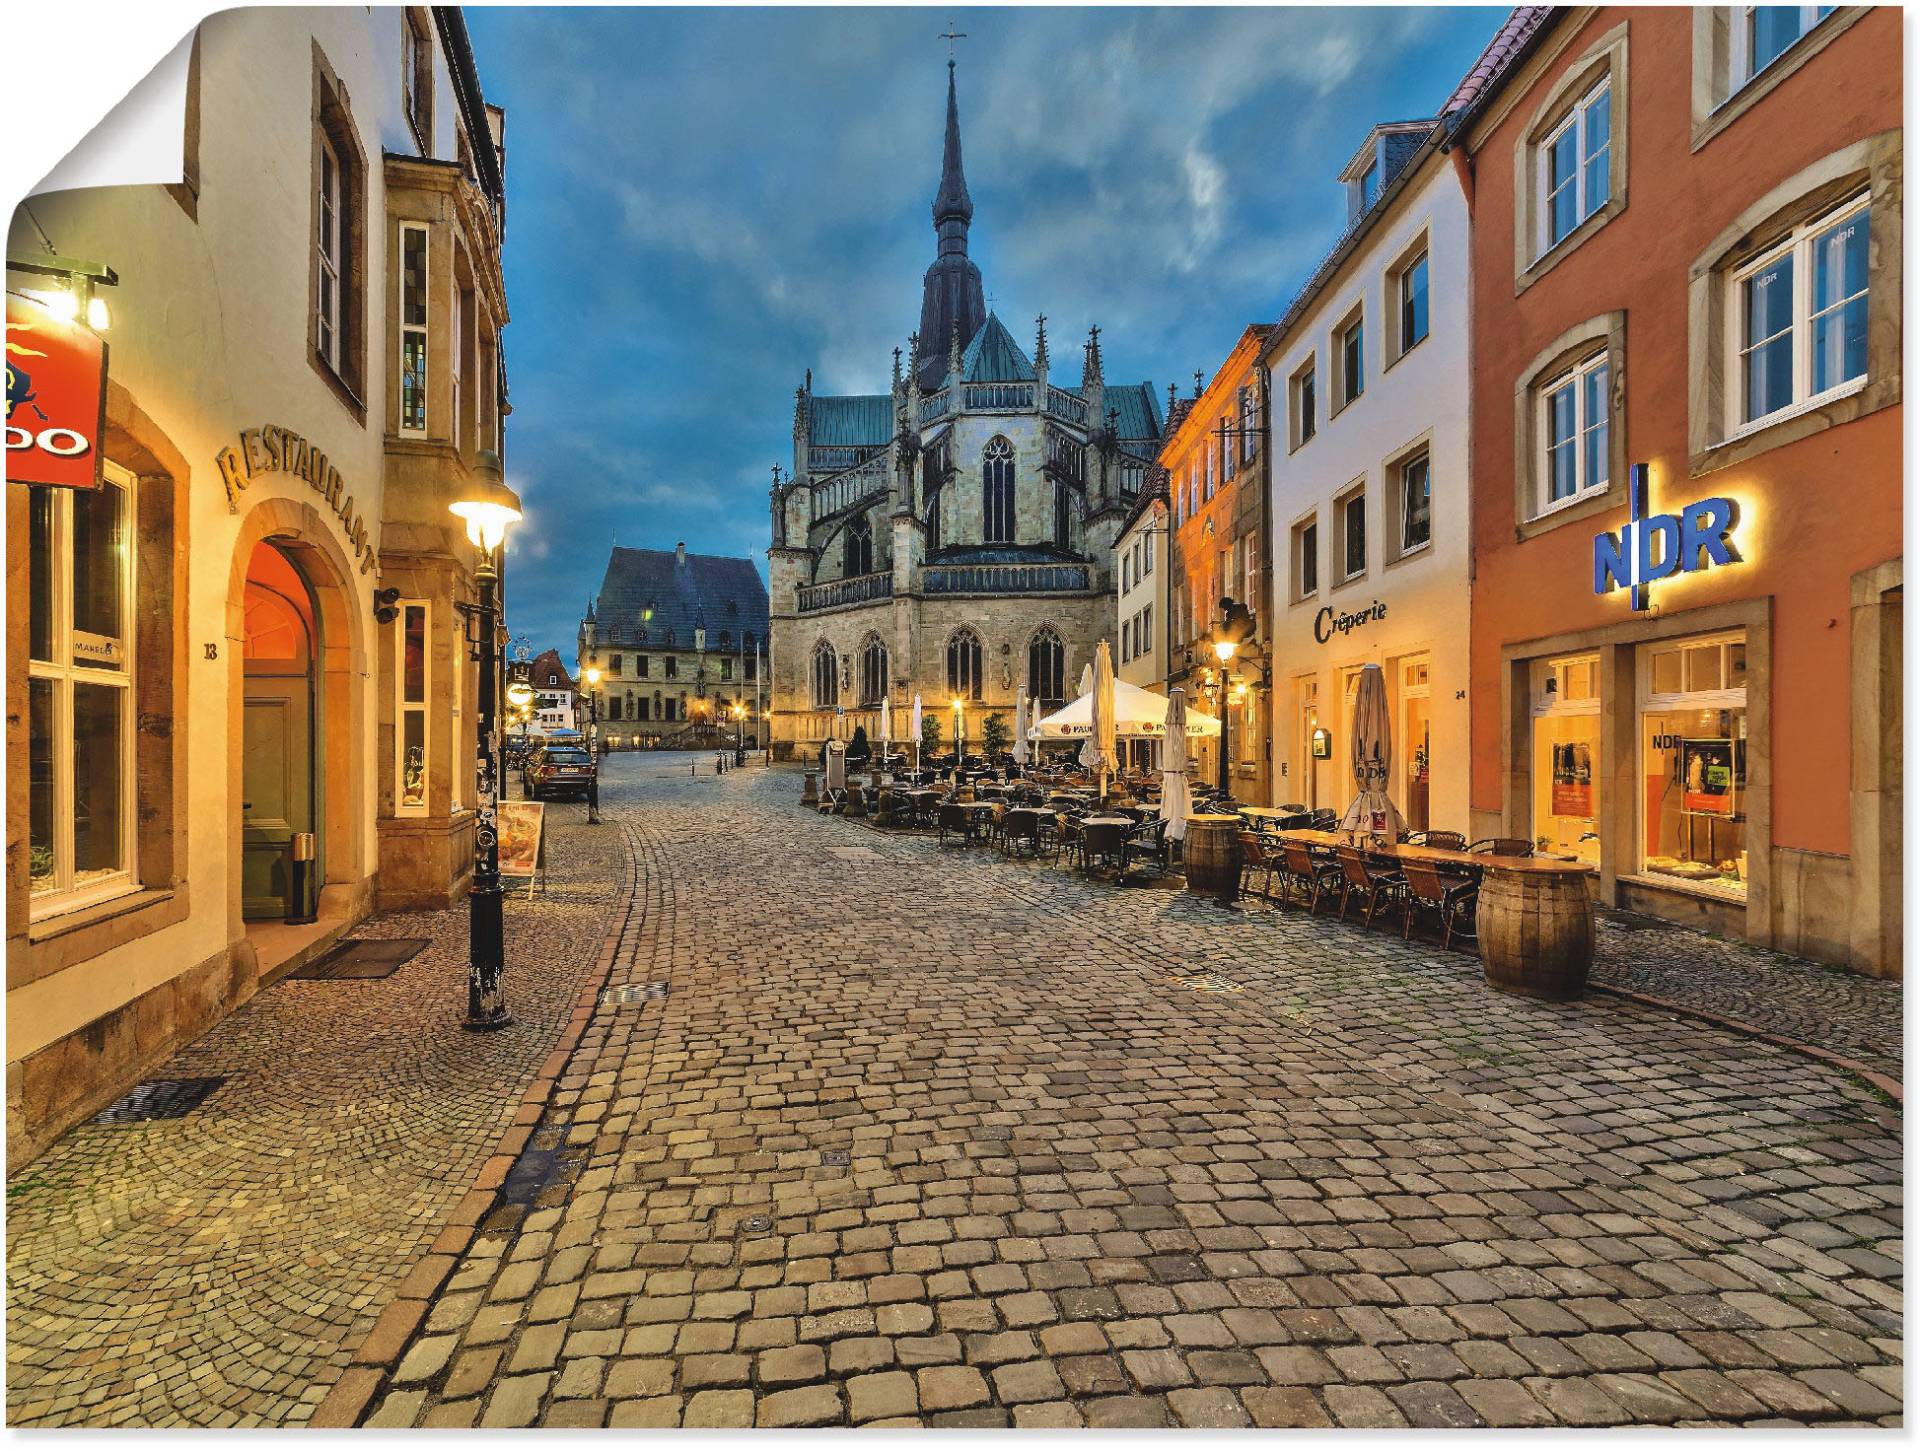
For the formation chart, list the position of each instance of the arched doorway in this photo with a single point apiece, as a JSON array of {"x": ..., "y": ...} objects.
[{"x": 278, "y": 797}]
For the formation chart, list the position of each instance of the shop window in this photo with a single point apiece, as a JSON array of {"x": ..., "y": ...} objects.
[
  {"x": 1566, "y": 753},
  {"x": 80, "y": 695},
  {"x": 411, "y": 668},
  {"x": 1350, "y": 523},
  {"x": 457, "y": 675},
  {"x": 1306, "y": 559},
  {"x": 1693, "y": 762},
  {"x": 1300, "y": 388},
  {"x": 1799, "y": 319},
  {"x": 1571, "y": 159},
  {"x": 413, "y": 328},
  {"x": 1415, "y": 746}
]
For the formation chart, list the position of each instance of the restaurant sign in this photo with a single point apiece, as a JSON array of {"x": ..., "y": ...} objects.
[
  {"x": 275, "y": 450},
  {"x": 1654, "y": 547},
  {"x": 56, "y": 398},
  {"x": 1330, "y": 622}
]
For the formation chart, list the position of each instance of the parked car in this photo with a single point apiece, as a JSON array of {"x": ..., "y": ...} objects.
[{"x": 557, "y": 771}]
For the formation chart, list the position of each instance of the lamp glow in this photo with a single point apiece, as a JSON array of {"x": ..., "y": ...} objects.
[
  {"x": 593, "y": 675},
  {"x": 98, "y": 318},
  {"x": 490, "y": 506},
  {"x": 520, "y": 693},
  {"x": 1224, "y": 649}
]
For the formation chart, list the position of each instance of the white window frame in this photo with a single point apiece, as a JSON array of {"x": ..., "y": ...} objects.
[
  {"x": 63, "y": 675},
  {"x": 1576, "y": 378},
  {"x": 1349, "y": 393},
  {"x": 1799, "y": 243},
  {"x": 327, "y": 311},
  {"x": 412, "y": 330},
  {"x": 1424, "y": 459},
  {"x": 1340, "y": 507},
  {"x": 1147, "y": 555},
  {"x": 1305, "y": 555},
  {"x": 456, "y": 432},
  {"x": 403, "y": 707},
  {"x": 1651, "y": 703},
  {"x": 1584, "y": 205},
  {"x": 1404, "y": 278},
  {"x": 1741, "y": 70}
]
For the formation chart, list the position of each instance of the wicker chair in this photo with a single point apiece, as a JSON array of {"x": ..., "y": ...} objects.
[
  {"x": 1257, "y": 856},
  {"x": 954, "y": 818},
  {"x": 1503, "y": 846},
  {"x": 1148, "y": 842},
  {"x": 1452, "y": 899},
  {"x": 1441, "y": 840},
  {"x": 1309, "y": 874},
  {"x": 1325, "y": 819},
  {"x": 1363, "y": 878}
]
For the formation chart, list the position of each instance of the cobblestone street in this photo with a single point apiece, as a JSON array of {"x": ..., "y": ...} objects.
[{"x": 884, "y": 1132}]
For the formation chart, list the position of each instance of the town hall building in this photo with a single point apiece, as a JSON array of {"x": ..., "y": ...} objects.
[{"x": 952, "y": 538}]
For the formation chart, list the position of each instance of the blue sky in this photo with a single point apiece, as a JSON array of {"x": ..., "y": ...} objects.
[{"x": 702, "y": 204}]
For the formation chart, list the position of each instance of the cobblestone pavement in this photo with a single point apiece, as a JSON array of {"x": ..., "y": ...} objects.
[
  {"x": 1829, "y": 1007},
  {"x": 220, "y": 1269},
  {"x": 918, "y": 1135}
]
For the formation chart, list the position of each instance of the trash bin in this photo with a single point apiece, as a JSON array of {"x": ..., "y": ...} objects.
[{"x": 301, "y": 905}]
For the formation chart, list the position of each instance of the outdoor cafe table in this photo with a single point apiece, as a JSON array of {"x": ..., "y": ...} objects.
[
  {"x": 1534, "y": 920},
  {"x": 1267, "y": 816}
]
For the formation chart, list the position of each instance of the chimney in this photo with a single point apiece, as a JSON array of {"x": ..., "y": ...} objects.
[{"x": 680, "y": 552}]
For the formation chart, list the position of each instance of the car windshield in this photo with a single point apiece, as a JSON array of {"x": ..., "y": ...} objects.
[{"x": 567, "y": 758}]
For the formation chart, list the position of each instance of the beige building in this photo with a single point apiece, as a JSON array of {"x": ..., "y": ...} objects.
[{"x": 246, "y": 641}]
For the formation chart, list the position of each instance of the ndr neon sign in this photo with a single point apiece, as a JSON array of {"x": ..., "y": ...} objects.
[{"x": 1655, "y": 546}]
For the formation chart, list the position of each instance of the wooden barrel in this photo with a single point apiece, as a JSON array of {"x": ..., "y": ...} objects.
[
  {"x": 1213, "y": 859},
  {"x": 810, "y": 794},
  {"x": 856, "y": 799},
  {"x": 1536, "y": 932}
]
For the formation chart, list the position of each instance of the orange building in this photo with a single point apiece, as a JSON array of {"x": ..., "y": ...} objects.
[
  {"x": 1217, "y": 480},
  {"x": 1686, "y": 660}
]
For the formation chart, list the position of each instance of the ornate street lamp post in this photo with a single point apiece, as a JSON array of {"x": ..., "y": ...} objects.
[
  {"x": 487, "y": 509},
  {"x": 1234, "y": 629},
  {"x": 739, "y": 733},
  {"x": 592, "y": 676}
]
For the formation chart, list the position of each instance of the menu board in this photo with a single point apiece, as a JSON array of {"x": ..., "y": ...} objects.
[
  {"x": 1706, "y": 774},
  {"x": 1573, "y": 779},
  {"x": 522, "y": 838}
]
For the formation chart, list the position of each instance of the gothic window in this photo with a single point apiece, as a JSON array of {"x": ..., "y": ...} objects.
[
  {"x": 1047, "y": 669},
  {"x": 873, "y": 671},
  {"x": 964, "y": 676},
  {"x": 933, "y": 524},
  {"x": 859, "y": 549},
  {"x": 826, "y": 677},
  {"x": 1062, "y": 518},
  {"x": 997, "y": 473}
]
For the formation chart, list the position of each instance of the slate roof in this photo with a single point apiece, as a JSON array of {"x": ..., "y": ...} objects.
[
  {"x": 865, "y": 418},
  {"x": 994, "y": 357},
  {"x": 715, "y": 591},
  {"x": 1139, "y": 410},
  {"x": 546, "y": 663}
]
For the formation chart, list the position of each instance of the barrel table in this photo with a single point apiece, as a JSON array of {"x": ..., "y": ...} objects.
[
  {"x": 810, "y": 794},
  {"x": 1536, "y": 928},
  {"x": 1212, "y": 850}
]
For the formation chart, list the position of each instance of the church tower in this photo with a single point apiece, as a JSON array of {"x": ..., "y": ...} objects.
[{"x": 952, "y": 298}]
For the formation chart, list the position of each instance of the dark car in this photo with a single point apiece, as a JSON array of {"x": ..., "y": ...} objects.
[{"x": 557, "y": 771}]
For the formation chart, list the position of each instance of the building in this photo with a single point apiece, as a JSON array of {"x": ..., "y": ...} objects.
[
  {"x": 1369, "y": 486},
  {"x": 242, "y": 643},
  {"x": 1687, "y": 463},
  {"x": 1140, "y": 574},
  {"x": 1216, "y": 465},
  {"x": 680, "y": 640},
  {"x": 553, "y": 695},
  {"x": 952, "y": 538}
]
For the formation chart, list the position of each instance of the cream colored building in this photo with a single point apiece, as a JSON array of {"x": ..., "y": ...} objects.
[{"x": 303, "y": 366}]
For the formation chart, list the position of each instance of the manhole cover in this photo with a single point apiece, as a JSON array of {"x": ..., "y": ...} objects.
[
  {"x": 836, "y": 1158},
  {"x": 629, "y": 993},
  {"x": 363, "y": 958},
  {"x": 158, "y": 1099},
  {"x": 1206, "y": 982}
]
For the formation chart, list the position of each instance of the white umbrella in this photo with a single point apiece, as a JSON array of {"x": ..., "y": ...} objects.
[
  {"x": 1372, "y": 812},
  {"x": 1086, "y": 689},
  {"x": 1137, "y": 715},
  {"x": 1176, "y": 797},
  {"x": 916, "y": 730},
  {"x": 1020, "y": 727},
  {"x": 1103, "y": 737},
  {"x": 886, "y": 724}
]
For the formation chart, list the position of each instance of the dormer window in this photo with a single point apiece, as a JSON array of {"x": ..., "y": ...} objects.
[{"x": 1369, "y": 185}]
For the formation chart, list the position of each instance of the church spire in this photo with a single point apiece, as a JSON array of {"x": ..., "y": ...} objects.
[
  {"x": 952, "y": 297},
  {"x": 951, "y": 202}
]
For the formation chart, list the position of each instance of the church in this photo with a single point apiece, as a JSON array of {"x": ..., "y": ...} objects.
[{"x": 952, "y": 538}]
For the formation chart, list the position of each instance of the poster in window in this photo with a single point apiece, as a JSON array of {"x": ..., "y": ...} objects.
[
  {"x": 1573, "y": 780},
  {"x": 56, "y": 398},
  {"x": 1706, "y": 774}
]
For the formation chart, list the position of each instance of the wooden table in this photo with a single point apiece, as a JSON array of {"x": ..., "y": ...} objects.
[{"x": 1534, "y": 920}]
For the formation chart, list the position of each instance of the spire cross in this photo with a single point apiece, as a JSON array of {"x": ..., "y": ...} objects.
[{"x": 950, "y": 35}]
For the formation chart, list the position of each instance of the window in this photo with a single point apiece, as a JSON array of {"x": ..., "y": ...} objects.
[
  {"x": 1146, "y": 555},
  {"x": 1370, "y": 186},
  {"x": 1126, "y": 641},
  {"x": 1693, "y": 762},
  {"x": 80, "y": 694},
  {"x": 1801, "y": 312},
  {"x": 411, "y": 665},
  {"x": 1047, "y": 669},
  {"x": 1412, "y": 283},
  {"x": 1213, "y": 461},
  {"x": 457, "y": 671},
  {"x": 1250, "y": 572},
  {"x": 1416, "y": 503},
  {"x": 413, "y": 328},
  {"x": 726, "y": 667},
  {"x": 1762, "y": 34},
  {"x": 873, "y": 671},
  {"x": 1351, "y": 514},
  {"x": 964, "y": 677},
  {"x": 1742, "y": 52},
  {"x": 416, "y": 75},
  {"x": 336, "y": 311},
  {"x": 1350, "y": 359},
  {"x": 456, "y": 416},
  {"x": 933, "y": 524},
  {"x": 857, "y": 555},
  {"x": 1126, "y": 573},
  {"x": 1062, "y": 517},
  {"x": 1306, "y": 559},
  {"x": 1575, "y": 422},
  {"x": 1249, "y": 422},
  {"x": 1575, "y": 160},
  {"x": 1143, "y": 635},
  {"x": 1302, "y": 389},
  {"x": 613, "y": 665},
  {"x": 826, "y": 676},
  {"x": 1229, "y": 455},
  {"x": 673, "y": 666},
  {"x": 997, "y": 480},
  {"x": 331, "y": 259}
]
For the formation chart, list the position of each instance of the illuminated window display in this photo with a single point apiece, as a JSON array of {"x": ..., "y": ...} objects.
[
  {"x": 1566, "y": 749},
  {"x": 1693, "y": 762}
]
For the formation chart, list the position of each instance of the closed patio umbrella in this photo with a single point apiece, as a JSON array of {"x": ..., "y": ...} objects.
[
  {"x": 1020, "y": 724},
  {"x": 1103, "y": 738},
  {"x": 886, "y": 725},
  {"x": 1372, "y": 812},
  {"x": 1176, "y": 797},
  {"x": 1086, "y": 689}
]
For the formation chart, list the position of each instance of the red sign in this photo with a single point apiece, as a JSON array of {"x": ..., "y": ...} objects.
[{"x": 56, "y": 398}]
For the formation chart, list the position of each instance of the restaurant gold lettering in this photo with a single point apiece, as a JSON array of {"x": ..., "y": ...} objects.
[{"x": 272, "y": 449}]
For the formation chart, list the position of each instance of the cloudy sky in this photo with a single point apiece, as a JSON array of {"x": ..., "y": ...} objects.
[{"x": 702, "y": 204}]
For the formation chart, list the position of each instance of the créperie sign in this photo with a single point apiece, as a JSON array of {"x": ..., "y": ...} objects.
[
  {"x": 276, "y": 450},
  {"x": 1330, "y": 622},
  {"x": 56, "y": 398},
  {"x": 1657, "y": 546}
]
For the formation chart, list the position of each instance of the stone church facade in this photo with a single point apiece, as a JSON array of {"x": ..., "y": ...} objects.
[{"x": 952, "y": 538}]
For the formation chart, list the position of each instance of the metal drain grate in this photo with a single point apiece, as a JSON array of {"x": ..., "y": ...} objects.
[
  {"x": 629, "y": 993},
  {"x": 159, "y": 1099},
  {"x": 365, "y": 957},
  {"x": 757, "y": 1224},
  {"x": 836, "y": 1158}
]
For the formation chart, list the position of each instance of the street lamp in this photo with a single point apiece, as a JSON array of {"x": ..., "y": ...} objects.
[
  {"x": 487, "y": 508},
  {"x": 959, "y": 737},
  {"x": 739, "y": 733},
  {"x": 592, "y": 677}
]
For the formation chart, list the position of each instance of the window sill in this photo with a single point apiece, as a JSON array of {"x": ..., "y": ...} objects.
[
  {"x": 1350, "y": 579},
  {"x": 1418, "y": 551},
  {"x": 1711, "y": 888},
  {"x": 1795, "y": 410},
  {"x": 1741, "y": 100},
  {"x": 1394, "y": 361},
  {"x": 1583, "y": 505},
  {"x": 1553, "y": 256},
  {"x": 1843, "y": 405},
  {"x": 341, "y": 388}
]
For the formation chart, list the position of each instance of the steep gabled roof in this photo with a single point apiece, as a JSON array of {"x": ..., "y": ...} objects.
[
  {"x": 1139, "y": 410},
  {"x": 546, "y": 663},
  {"x": 714, "y": 592},
  {"x": 859, "y": 419},
  {"x": 1508, "y": 41},
  {"x": 994, "y": 357}
]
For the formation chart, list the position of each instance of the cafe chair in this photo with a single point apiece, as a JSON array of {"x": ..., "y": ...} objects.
[
  {"x": 1363, "y": 878},
  {"x": 1295, "y": 808},
  {"x": 1451, "y": 899},
  {"x": 1070, "y": 842},
  {"x": 955, "y": 818},
  {"x": 1256, "y": 856},
  {"x": 1310, "y": 874},
  {"x": 1325, "y": 819},
  {"x": 1503, "y": 846},
  {"x": 1440, "y": 840}
]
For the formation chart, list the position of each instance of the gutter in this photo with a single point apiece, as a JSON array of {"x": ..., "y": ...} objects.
[{"x": 451, "y": 21}]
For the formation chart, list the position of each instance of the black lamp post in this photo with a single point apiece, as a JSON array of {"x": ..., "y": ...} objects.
[
  {"x": 1234, "y": 629},
  {"x": 488, "y": 509},
  {"x": 593, "y": 738}
]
